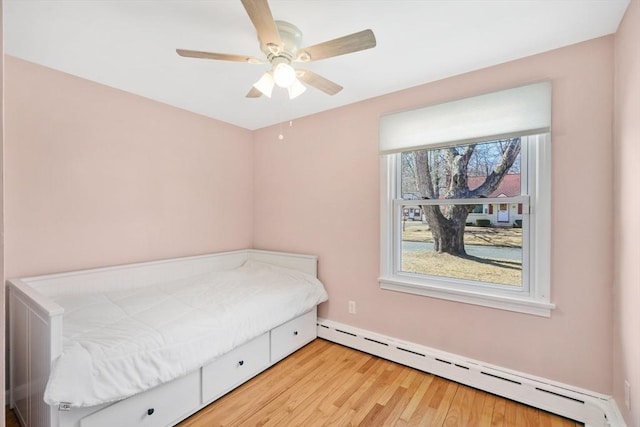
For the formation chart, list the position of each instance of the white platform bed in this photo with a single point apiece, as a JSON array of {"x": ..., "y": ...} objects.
[{"x": 149, "y": 344}]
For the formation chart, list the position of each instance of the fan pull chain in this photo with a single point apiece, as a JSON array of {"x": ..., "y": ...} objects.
[{"x": 281, "y": 134}]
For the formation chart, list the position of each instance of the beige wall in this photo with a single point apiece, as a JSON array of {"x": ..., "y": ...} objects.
[
  {"x": 626, "y": 313},
  {"x": 96, "y": 176},
  {"x": 318, "y": 191}
]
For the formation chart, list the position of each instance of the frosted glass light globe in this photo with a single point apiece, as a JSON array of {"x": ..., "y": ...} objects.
[{"x": 284, "y": 75}]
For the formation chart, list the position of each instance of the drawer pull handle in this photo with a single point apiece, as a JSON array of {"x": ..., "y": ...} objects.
[
  {"x": 150, "y": 411},
  {"x": 241, "y": 362},
  {"x": 295, "y": 332}
]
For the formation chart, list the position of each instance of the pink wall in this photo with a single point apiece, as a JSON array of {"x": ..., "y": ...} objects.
[
  {"x": 318, "y": 192},
  {"x": 103, "y": 167},
  {"x": 2, "y": 287},
  {"x": 626, "y": 332},
  {"x": 96, "y": 176}
]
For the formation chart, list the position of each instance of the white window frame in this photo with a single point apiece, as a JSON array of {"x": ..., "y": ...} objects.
[{"x": 534, "y": 296}]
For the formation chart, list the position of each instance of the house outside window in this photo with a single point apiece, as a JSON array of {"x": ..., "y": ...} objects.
[
  {"x": 509, "y": 187},
  {"x": 483, "y": 237}
]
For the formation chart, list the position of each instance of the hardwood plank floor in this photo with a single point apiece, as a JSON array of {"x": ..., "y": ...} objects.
[
  {"x": 10, "y": 419},
  {"x": 326, "y": 384}
]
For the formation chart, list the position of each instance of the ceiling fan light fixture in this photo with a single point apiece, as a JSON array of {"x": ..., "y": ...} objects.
[
  {"x": 265, "y": 84},
  {"x": 296, "y": 89},
  {"x": 280, "y": 43},
  {"x": 284, "y": 74}
]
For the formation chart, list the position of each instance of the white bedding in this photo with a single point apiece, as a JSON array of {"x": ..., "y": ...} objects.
[{"x": 121, "y": 343}]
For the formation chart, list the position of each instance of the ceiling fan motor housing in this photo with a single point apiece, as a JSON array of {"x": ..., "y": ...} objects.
[{"x": 291, "y": 38}]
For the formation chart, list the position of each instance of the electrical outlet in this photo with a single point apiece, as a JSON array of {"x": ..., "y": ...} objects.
[
  {"x": 352, "y": 307},
  {"x": 627, "y": 395}
]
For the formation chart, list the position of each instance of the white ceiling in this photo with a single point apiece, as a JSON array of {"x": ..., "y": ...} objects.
[{"x": 130, "y": 45}]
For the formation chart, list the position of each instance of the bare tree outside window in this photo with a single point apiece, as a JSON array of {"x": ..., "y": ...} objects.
[{"x": 469, "y": 171}]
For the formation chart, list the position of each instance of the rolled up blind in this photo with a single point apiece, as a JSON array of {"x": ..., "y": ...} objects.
[{"x": 524, "y": 110}]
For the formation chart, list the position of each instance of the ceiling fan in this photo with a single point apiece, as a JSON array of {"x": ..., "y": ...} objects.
[{"x": 280, "y": 42}]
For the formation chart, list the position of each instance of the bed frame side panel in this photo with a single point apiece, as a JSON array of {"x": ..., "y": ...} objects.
[
  {"x": 19, "y": 357},
  {"x": 35, "y": 330},
  {"x": 131, "y": 276}
]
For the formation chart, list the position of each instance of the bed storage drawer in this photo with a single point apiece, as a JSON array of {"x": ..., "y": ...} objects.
[
  {"x": 159, "y": 406},
  {"x": 234, "y": 368},
  {"x": 287, "y": 338}
]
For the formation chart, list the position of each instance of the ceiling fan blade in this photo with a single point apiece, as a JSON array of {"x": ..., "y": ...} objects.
[
  {"x": 254, "y": 93},
  {"x": 219, "y": 56},
  {"x": 352, "y": 43},
  {"x": 319, "y": 82},
  {"x": 262, "y": 19}
]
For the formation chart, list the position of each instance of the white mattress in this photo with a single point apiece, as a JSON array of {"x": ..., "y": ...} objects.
[{"x": 121, "y": 343}]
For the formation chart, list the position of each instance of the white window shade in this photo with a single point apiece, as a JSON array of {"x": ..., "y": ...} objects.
[{"x": 519, "y": 111}]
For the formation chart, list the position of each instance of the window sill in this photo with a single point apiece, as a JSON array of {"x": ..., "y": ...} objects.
[{"x": 525, "y": 305}]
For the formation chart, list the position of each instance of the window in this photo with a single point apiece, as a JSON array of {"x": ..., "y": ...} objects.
[
  {"x": 482, "y": 235},
  {"x": 478, "y": 209}
]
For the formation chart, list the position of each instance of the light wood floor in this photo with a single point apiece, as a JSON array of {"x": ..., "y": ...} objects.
[{"x": 325, "y": 384}]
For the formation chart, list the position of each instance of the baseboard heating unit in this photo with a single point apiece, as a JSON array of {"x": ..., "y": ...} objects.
[{"x": 591, "y": 408}]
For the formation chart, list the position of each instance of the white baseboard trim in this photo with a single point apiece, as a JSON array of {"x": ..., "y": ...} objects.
[
  {"x": 593, "y": 409},
  {"x": 615, "y": 413}
]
